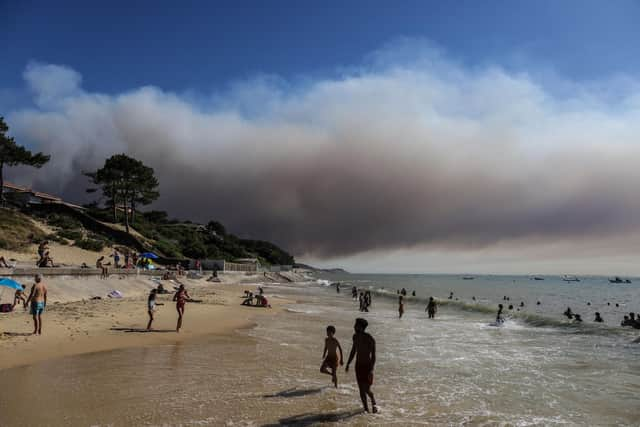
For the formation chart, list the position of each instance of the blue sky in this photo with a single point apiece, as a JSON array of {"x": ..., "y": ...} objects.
[
  {"x": 407, "y": 136},
  {"x": 201, "y": 46}
]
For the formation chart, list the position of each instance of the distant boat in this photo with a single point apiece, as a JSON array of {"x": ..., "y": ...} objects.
[
  {"x": 538, "y": 278},
  {"x": 468, "y": 278},
  {"x": 568, "y": 278},
  {"x": 619, "y": 280}
]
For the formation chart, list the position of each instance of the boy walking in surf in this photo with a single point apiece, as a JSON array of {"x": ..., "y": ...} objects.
[
  {"x": 364, "y": 348},
  {"x": 330, "y": 355}
]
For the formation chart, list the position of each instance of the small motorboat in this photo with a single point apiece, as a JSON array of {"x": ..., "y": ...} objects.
[
  {"x": 568, "y": 278},
  {"x": 619, "y": 280},
  {"x": 468, "y": 278},
  {"x": 538, "y": 278}
]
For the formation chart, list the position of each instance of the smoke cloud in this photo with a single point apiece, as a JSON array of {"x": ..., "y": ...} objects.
[{"x": 394, "y": 154}]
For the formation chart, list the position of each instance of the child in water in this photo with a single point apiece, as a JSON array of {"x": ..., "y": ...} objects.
[{"x": 330, "y": 355}]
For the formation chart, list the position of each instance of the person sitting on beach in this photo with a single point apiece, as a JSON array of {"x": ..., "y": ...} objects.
[
  {"x": 248, "y": 299},
  {"x": 151, "y": 306},
  {"x": 598, "y": 319},
  {"x": 431, "y": 308},
  {"x": 499, "y": 318},
  {"x": 568, "y": 313},
  {"x": 364, "y": 349},
  {"x": 42, "y": 248},
  {"x": 46, "y": 261},
  {"x": 104, "y": 270},
  {"x": 38, "y": 300},
  {"x": 19, "y": 296},
  {"x": 400, "y": 307},
  {"x": 3, "y": 263},
  {"x": 330, "y": 355},
  {"x": 180, "y": 297},
  {"x": 577, "y": 318}
]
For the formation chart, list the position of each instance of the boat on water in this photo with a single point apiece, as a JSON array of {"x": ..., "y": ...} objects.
[
  {"x": 619, "y": 280},
  {"x": 468, "y": 278},
  {"x": 537, "y": 278},
  {"x": 568, "y": 278}
]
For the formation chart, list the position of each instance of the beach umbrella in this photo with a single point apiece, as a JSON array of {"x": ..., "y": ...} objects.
[
  {"x": 149, "y": 255},
  {"x": 10, "y": 283}
]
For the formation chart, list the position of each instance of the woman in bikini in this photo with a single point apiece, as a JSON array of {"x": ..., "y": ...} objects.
[{"x": 181, "y": 297}]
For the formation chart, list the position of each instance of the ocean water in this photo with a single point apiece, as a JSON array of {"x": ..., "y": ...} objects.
[{"x": 538, "y": 369}]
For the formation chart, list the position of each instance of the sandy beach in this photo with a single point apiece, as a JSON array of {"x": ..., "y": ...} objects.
[{"x": 75, "y": 324}]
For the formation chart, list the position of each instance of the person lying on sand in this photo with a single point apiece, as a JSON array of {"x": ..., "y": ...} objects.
[
  {"x": 151, "y": 306},
  {"x": 330, "y": 355}
]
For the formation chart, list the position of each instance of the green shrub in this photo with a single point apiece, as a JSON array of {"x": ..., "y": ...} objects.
[
  {"x": 70, "y": 234},
  {"x": 167, "y": 248},
  {"x": 63, "y": 221},
  {"x": 91, "y": 244}
]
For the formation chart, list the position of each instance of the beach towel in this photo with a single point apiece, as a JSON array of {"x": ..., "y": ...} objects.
[{"x": 115, "y": 294}]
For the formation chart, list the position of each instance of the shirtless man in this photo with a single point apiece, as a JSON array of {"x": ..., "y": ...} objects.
[
  {"x": 364, "y": 346},
  {"x": 38, "y": 300},
  {"x": 330, "y": 355},
  {"x": 180, "y": 298},
  {"x": 400, "y": 307}
]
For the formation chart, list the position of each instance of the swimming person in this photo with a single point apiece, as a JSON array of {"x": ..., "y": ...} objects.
[
  {"x": 330, "y": 355},
  {"x": 598, "y": 318},
  {"x": 451, "y": 295},
  {"x": 38, "y": 300},
  {"x": 568, "y": 313},
  {"x": 364, "y": 348},
  {"x": 432, "y": 308},
  {"x": 151, "y": 306},
  {"x": 577, "y": 318},
  {"x": 180, "y": 298},
  {"x": 400, "y": 307},
  {"x": 499, "y": 318}
]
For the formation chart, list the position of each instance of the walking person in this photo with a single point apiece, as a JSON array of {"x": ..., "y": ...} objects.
[
  {"x": 181, "y": 297},
  {"x": 364, "y": 350},
  {"x": 432, "y": 308}
]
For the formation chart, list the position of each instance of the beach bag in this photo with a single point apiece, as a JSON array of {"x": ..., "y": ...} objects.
[{"x": 6, "y": 308}]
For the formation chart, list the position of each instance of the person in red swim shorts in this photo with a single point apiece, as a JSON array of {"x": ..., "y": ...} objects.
[{"x": 364, "y": 349}]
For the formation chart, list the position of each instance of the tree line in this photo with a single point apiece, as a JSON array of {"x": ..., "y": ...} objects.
[{"x": 125, "y": 183}]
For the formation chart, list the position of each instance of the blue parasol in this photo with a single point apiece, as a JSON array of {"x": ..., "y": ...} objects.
[
  {"x": 10, "y": 283},
  {"x": 149, "y": 255}
]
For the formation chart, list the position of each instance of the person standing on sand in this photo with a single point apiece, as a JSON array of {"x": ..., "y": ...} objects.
[
  {"x": 180, "y": 298},
  {"x": 330, "y": 355},
  {"x": 400, "y": 307},
  {"x": 151, "y": 306},
  {"x": 104, "y": 270},
  {"x": 432, "y": 308},
  {"x": 38, "y": 300},
  {"x": 364, "y": 348}
]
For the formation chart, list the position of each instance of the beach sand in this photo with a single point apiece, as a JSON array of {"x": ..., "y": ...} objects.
[{"x": 74, "y": 324}]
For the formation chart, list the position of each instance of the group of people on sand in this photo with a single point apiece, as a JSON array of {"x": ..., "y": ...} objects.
[
  {"x": 180, "y": 297},
  {"x": 256, "y": 300},
  {"x": 36, "y": 301}
]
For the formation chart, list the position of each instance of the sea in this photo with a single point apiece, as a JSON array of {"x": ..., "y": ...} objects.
[{"x": 537, "y": 369}]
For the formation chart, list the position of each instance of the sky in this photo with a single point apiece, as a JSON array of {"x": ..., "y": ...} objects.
[{"x": 409, "y": 136}]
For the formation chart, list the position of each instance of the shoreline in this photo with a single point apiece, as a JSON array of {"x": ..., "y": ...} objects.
[{"x": 90, "y": 326}]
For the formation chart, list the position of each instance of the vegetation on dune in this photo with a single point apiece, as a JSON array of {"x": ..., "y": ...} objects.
[{"x": 17, "y": 231}]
